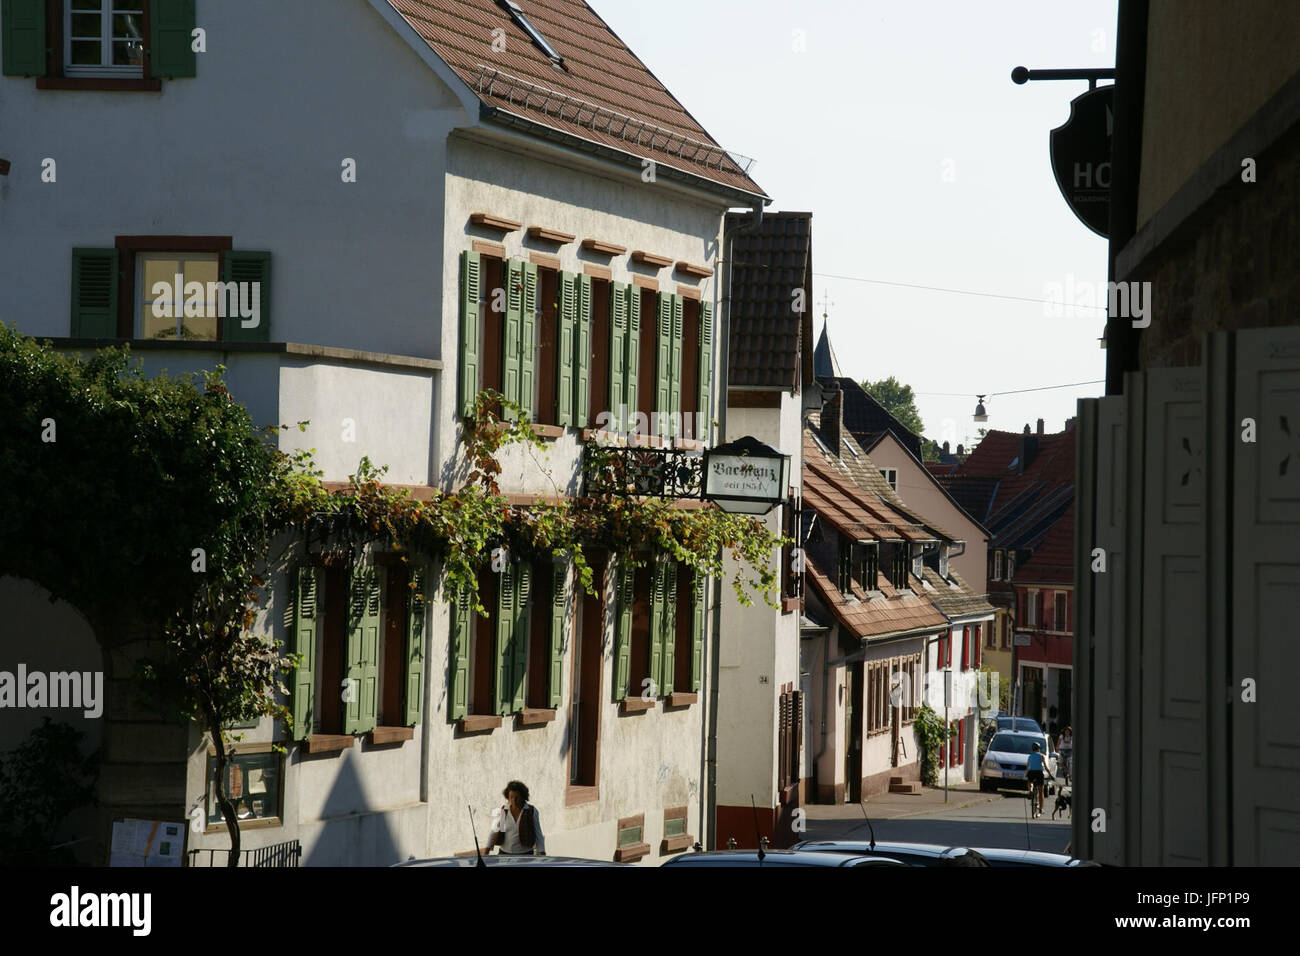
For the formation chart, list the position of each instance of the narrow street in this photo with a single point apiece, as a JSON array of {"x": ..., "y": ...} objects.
[{"x": 969, "y": 818}]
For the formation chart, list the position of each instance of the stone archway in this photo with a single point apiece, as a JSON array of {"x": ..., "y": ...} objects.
[{"x": 89, "y": 686}]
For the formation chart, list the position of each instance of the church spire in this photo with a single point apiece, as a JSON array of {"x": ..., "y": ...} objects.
[{"x": 825, "y": 365}]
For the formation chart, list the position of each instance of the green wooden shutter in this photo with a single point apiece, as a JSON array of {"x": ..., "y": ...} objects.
[
  {"x": 675, "y": 371},
  {"x": 510, "y": 347},
  {"x": 171, "y": 45},
  {"x": 697, "y": 631},
  {"x": 528, "y": 342},
  {"x": 617, "y": 349},
  {"x": 519, "y": 636},
  {"x": 582, "y": 356},
  {"x": 623, "y": 628},
  {"x": 658, "y": 579},
  {"x": 558, "y": 598},
  {"x": 669, "y": 636},
  {"x": 564, "y": 396},
  {"x": 471, "y": 281},
  {"x": 94, "y": 293},
  {"x": 305, "y": 630},
  {"x": 363, "y": 652},
  {"x": 242, "y": 266},
  {"x": 415, "y": 617},
  {"x": 632, "y": 351},
  {"x": 706, "y": 366},
  {"x": 664, "y": 362},
  {"x": 462, "y": 636},
  {"x": 502, "y": 693},
  {"x": 24, "y": 37}
]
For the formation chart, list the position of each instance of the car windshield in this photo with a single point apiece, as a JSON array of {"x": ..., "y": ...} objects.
[
  {"x": 1014, "y": 744},
  {"x": 1018, "y": 723}
]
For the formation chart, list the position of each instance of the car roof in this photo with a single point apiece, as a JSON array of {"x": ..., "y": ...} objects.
[
  {"x": 770, "y": 858},
  {"x": 884, "y": 847},
  {"x": 997, "y": 855},
  {"x": 521, "y": 860}
]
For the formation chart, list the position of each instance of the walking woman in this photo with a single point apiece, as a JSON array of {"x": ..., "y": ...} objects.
[
  {"x": 518, "y": 831},
  {"x": 1065, "y": 747}
]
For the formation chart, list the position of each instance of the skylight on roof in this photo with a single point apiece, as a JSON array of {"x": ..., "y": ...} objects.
[{"x": 532, "y": 31}]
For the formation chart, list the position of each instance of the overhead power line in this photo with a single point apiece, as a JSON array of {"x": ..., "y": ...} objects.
[
  {"x": 934, "y": 288},
  {"x": 1017, "y": 391}
]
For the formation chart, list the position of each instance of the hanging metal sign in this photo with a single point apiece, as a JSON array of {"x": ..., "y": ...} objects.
[{"x": 1081, "y": 157}]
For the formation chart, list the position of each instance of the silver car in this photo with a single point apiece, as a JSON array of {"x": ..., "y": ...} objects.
[{"x": 1007, "y": 759}]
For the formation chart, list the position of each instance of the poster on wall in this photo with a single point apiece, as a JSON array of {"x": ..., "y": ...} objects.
[{"x": 147, "y": 843}]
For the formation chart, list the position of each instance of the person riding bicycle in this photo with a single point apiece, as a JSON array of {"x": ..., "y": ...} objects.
[{"x": 1036, "y": 774}]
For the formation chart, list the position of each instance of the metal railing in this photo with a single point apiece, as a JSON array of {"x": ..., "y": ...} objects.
[{"x": 286, "y": 854}]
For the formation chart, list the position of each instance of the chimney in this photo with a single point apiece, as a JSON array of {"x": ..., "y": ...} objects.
[
  {"x": 1028, "y": 451},
  {"x": 832, "y": 418},
  {"x": 1071, "y": 422},
  {"x": 960, "y": 452},
  {"x": 1040, "y": 426},
  {"x": 945, "y": 448}
]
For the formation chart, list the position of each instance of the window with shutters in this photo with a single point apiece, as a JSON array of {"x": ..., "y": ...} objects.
[
  {"x": 492, "y": 297},
  {"x": 789, "y": 738},
  {"x": 547, "y": 625},
  {"x": 489, "y": 654},
  {"x": 997, "y": 565},
  {"x": 99, "y": 44},
  {"x": 361, "y": 641},
  {"x": 161, "y": 287},
  {"x": 547, "y": 353},
  {"x": 644, "y": 397},
  {"x": 640, "y": 645},
  {"x": 687, "y": 634},
  {"x": 693, "y": 426},
  {"x": 585, "y": 699},
  {"x": 602, "y": 364}
]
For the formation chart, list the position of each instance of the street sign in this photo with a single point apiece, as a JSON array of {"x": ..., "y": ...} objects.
[
  {"x": 1021, "y": 640},
  {"x": 1081, "y": 157},
  {"x": 746, "y": 476}
]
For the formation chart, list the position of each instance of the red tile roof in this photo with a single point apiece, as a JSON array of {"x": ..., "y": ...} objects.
[
  {"x": 603, "y": 94},
  {"x": 878, "y": 617}
]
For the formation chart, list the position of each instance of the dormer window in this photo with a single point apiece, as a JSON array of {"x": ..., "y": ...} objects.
[
  {"x": 943, "y": 561},
  {"x": 518, "y": 15}
]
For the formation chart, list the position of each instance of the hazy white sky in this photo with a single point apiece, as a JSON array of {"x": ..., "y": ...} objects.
[{"x": 898, "y": 126}]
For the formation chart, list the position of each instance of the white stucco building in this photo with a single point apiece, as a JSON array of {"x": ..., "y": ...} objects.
[{"x": 457, "y": 150}]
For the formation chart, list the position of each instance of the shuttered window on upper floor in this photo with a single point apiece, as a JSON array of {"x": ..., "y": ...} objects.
[
  {"x": 99, "y": 44},
  {"x": 580, "y": 352}
]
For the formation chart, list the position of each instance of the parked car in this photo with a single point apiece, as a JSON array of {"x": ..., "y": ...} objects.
[
  {"x": 499, "y": 860},
  {"x": 777, "y": 858},
  {"x": 1007, "y": 758},
  {"x": 1007, "y": 722},
  {"x": 1002, "y": 856},
  {"x": 910, "y": 854}
]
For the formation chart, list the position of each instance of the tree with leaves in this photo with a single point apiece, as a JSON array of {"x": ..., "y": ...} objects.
[{"x": 899, "y": 400}]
